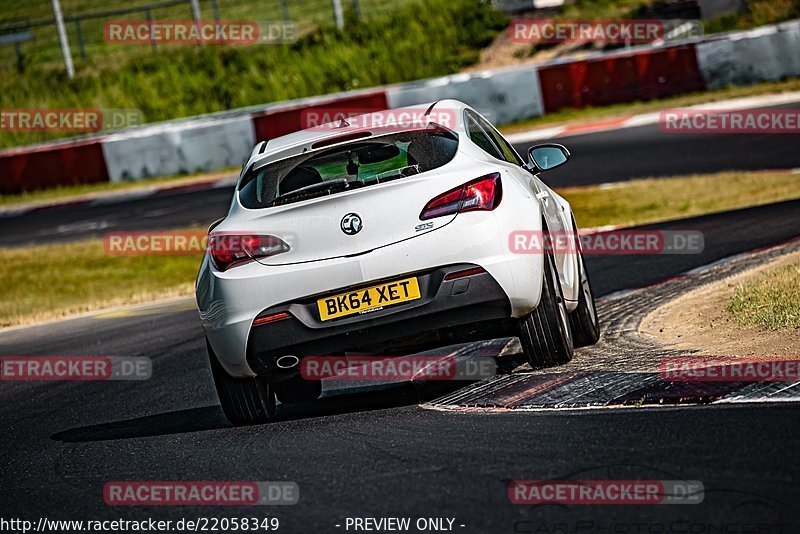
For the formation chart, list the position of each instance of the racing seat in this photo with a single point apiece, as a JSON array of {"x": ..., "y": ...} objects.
[{"x": 299, "y": 177}]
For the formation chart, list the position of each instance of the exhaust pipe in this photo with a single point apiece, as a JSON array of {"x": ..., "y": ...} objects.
[{"x": 287, "y": 362}]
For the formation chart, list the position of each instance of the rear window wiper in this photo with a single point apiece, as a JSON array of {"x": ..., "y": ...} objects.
[
  {"x": 396, "y": 174},
  {"x": 313, "y": 188}
]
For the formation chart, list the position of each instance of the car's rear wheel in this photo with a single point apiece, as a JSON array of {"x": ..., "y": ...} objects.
[
  {"x": 583, "y": 320},
  {"x": 298, "y": 389},
  {"x": 545, "y": 333},
  {"x": 244, "y": 401}
]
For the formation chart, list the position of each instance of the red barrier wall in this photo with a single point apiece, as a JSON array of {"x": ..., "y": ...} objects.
[
  {"x": 275, "y": 123},
  {"x": 27, "y": 169},
  {"x": 643, "y": 75}
]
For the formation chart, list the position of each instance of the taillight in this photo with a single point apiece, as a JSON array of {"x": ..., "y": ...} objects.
[
  {"x": 270, "y": 318},
  {"x": 484, "y": 194},
  {"x": 463, "y": 274},
  {"x": 228, "y": 250}
]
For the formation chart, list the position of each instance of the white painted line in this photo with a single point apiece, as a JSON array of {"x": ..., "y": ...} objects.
[
  {"x": 14, "y": 212},
  {"x": 462, "y": 409},
  {"x": 130, "y": 195},
  {"x": 535, "y": 135},
  {"x": 226, "y": 182},
  {"x": 166, "y": 302},
  {"x": 751, "y": 102},
  {"x": 644, "y": 119}
]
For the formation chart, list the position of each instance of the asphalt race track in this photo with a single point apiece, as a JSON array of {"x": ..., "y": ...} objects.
[
  {"x": 644, "y": 151},
  {"x": 599, "y": 157},
  {"x": 376, "y": 452}
]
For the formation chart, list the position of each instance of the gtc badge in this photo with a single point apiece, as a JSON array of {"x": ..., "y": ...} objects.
[{"x": 352, "y": 224}]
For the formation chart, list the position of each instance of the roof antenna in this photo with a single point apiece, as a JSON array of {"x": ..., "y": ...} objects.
[{"x": 343, "y": 121}]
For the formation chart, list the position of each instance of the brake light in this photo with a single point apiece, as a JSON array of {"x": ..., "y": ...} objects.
[
  {"x": 227, "y": 250},
  {"x": 483, "y": 194}
]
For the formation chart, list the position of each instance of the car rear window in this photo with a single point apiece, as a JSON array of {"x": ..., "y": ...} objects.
[{"x": 345, "y": 167}]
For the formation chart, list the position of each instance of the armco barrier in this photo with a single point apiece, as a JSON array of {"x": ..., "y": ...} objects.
[
  {"x": 50, "y": 165},
  {"x": 503, "y": 95},
  {"x": 273, "y": 123},
  {"x": 170, "y": 149},
  {"x": 644, "y": 74},
  {"x": 744, "y": 58}
]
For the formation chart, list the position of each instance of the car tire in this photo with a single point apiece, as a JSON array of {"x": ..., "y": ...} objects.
[
  {"x": 244, "y": 401},
  {"x": 298, "y": 389},
  {"x": 583, "y": 319},
  {"x": 545, "y": 333}
]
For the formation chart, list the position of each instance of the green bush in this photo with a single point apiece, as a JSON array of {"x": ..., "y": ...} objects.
[{"x": 418, "y": 40}]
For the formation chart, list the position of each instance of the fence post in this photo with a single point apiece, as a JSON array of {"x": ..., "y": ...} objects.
[
  {"x": 196, "y": 16},
  {"x": 79, "y": 35},
  {"x": 148, "y": 16},
  {"x": 285, "y": 9},
  {"x": 195, "y": 5},
  {"x": 20, "y": 61},
  {"x": 338, "y": 13},
  {"x": 215, "y": 10},
  {"x": 62, "y": 39},
  {"x": 357, "y": 8}
]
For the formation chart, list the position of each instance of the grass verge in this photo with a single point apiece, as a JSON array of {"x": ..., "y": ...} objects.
[
  {"x": 659, "y": 199},
  {"x": 772, "y": 301},
  {"x": 757, "y": 13},
  {"x": 52, "y": 281}
]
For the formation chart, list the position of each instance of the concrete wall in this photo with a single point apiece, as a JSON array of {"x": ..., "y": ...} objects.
[
  {"x": 645, "y": 74},
  {"x": 213, "y": 142},
  {"x": 282, "y": 120},
  {"x": 745, "y": 58},
  {"x": 502, "y": 95},
  {"x": 50, "y": 165},
  {"x": 179, "y": 148}
]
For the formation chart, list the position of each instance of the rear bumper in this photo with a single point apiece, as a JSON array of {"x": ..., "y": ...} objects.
[
  {"x": 229, "y": 301},
  {"x": 449, "y": 311}
]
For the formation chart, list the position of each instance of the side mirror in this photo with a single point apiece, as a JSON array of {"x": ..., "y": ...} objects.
[{"x": 548, "y": 156}]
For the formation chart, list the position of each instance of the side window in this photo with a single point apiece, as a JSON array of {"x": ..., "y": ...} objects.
[
  {"x": 509, "y": 154},
  {"x": 480, "y": 138}
]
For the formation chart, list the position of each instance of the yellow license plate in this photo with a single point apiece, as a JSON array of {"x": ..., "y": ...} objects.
[{"x": 368, "y": 299}]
